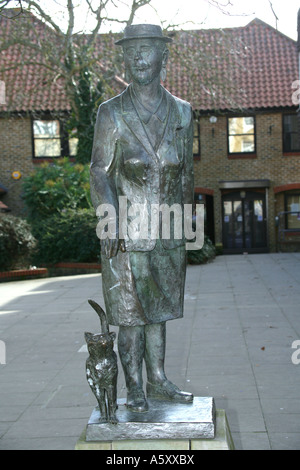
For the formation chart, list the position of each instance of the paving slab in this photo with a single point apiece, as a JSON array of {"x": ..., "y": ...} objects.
[{"x": 234, "y": 343}]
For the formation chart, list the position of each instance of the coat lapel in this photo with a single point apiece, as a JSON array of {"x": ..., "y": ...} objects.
[
  {"x": 134, "y": 123},
  {"x": 173, "y": 122}
]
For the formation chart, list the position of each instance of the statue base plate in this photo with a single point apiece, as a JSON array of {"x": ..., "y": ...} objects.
[
  {"x": 129, "y": 440},
  {"x": 164, "y": 420}
]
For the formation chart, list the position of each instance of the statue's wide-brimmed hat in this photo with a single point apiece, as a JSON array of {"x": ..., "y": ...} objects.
[{"x": 143, "y": 31}]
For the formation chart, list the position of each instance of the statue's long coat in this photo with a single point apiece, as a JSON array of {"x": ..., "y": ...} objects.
[{"x": 145, "y": 284}]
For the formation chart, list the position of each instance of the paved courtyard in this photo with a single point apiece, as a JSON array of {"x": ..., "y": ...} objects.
[{"x": 235, "y": 343}]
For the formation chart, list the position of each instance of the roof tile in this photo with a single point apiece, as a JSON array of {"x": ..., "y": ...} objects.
[{"x": 249, "y": 67}]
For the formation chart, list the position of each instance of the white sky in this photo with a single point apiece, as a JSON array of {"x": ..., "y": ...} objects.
[
  {"x": 241, "y": 13},
  {"x": 197, "y": 13}
]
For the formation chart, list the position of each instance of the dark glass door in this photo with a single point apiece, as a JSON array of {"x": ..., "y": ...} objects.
[{"x": 244, "y": 222}]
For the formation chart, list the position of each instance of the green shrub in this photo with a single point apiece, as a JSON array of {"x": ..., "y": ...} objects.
[
  {"x": 207, "y": 253},
  {"x": 17, "y": 244},
  {"x": 56, "y": 186},
  {"x": 219, "y": 249},
  {"x": 67, "y": 236},
  {"x": 63, "y": 221}
]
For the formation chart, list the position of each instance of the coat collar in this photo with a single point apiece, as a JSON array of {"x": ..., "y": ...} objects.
[{"x": 161, "y": 111}]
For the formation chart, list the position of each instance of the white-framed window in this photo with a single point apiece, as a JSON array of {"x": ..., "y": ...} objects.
[{"x": 292, "y": 204}]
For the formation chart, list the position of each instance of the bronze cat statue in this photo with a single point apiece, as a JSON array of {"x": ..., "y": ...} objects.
[{"x": 102, "y": 368}]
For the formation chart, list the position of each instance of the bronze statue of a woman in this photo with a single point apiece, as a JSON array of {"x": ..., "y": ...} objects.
[{"x": 142, "y": 155}]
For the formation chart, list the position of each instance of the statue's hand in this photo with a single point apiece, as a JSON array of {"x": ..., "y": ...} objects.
[
  {"x": 122, "y": 246},
  {"x": 110, "y": 247}
]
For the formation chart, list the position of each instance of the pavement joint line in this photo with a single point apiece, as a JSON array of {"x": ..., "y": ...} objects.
[{"x": 52, "y": 395}]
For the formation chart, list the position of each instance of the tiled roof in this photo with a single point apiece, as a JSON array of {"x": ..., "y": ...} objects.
[
  {"x": 28, "y": 87},
  {"x": 33, "y": 87},
  {"x": 247, "y": 67}
]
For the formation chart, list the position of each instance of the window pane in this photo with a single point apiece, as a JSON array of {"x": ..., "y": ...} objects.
[
  {"x": 241, "y": 125},
  {"x": 46, "y": 135},
  {"x": 241, "y": 143},
  {"x": 248, "y": 143},
  {"x": 46, "y": 129},
  {"x": 294, "y": 139},
  {"x": 291, "y": 141},
  {"x": 47, "y": 147},
  {"x": 293, "y": 205},
  {"x": 290, "y": 123},
  {"x": 196, "y": 141},
  {"x": 241, "y": 134}
]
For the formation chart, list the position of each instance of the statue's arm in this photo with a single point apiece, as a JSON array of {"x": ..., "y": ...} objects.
[
  {"x": 102, "y": 170},
  {"x": 103, "y": 159},
  {"x": 188, "y": 171}
]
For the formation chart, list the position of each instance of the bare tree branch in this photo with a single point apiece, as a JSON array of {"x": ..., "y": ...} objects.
[
  {"x": 99, "y": 20},
  {"x": 4, "y": 4},
  {"x": 223, "y": 7},
  {"x": 71, "y": 19},
  {"x": 69, "y": 53},
  {"x": 273, "y": 11},
  {"x": 136, "y": 4},
  {"x": 44, "y": 15}
]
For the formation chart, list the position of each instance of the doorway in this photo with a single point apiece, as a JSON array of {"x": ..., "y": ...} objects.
[{"x": 244, "y": 222}]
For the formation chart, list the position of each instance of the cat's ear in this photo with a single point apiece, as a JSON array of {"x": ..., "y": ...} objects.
[{"x": 88, "y": 336}]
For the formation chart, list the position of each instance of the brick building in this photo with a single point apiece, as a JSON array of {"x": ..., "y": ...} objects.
[
  {"x": 243, "y": 86},
  {"x": 245, "y": 92}
]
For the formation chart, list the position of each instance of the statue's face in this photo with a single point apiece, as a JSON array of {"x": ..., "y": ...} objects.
[{"x": 144, "y": 59}]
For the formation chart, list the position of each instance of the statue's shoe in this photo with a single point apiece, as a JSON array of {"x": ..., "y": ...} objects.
[
  {"x": 168, "y": 391},
  {"x": 136, "y": 400}
]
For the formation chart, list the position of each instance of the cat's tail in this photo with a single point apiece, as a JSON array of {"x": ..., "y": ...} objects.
[{"x": 101, "y": 314}]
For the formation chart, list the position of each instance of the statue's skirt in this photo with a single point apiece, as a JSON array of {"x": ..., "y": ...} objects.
[{"x": 144, "y": 287}]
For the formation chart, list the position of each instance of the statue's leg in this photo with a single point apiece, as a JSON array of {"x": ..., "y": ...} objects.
[
  {"x": 131, "y": 346},
  {"x": 102, "y": 406},
  {"x": 155, "y": 350},
  {"x": 158, "y": 386},
  {"x": 111, "y": 404}
]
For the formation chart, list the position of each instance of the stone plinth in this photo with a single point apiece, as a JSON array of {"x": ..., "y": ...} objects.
[
  {"x": 164, "y": 420},
  {"x": 166, "y": 426}
]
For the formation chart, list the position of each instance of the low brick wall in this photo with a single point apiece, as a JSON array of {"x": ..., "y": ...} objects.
[
  {"x": 23, "y": 274},
  {"x": 71, "y": 269},
  {"x": 59, "y": 269}
]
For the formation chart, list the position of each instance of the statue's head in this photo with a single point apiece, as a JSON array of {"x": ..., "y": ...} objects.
[{"x": 145, "y": 52}]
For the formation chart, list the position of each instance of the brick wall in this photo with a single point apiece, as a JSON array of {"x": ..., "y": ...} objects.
[
  {"x": 215, "y": 165},
  {"x": 212, "y": 167},
  {"x": 15, "y": 155}
]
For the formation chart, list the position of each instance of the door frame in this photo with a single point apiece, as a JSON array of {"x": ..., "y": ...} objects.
[{"x": 245, "y": 195}]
